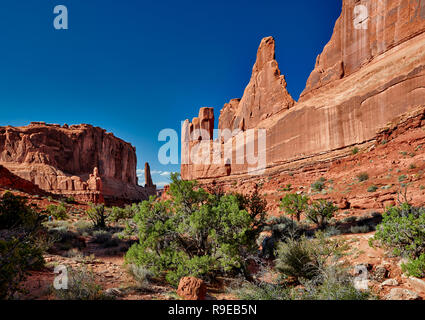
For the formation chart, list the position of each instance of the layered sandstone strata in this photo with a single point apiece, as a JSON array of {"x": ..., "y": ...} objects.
[
  {"x": 79, "y": 160},
  {"x": 365, "y": 77}
]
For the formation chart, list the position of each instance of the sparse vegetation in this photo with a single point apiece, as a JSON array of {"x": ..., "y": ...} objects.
[
  {"x": 320, "y": 212},
  {"x": 294, "y": 204},
  {"x": 363, "y": 176},
  {"x": 58, "y": 212},
  {"x": 319, "y": 185},
  {"x": 22, "y": 243},
  {"x": 97, "y": 215},
  {"x": 81, "y": 286},
  {"x": 372, "y": 189}
]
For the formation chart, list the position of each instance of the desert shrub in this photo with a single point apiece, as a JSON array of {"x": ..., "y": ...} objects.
[
  {"x": 349, "y": 219},
  {"x": 22, "y": 243},
  {"x": 83, "y": 227},
  {"x": 141, "y": 275},
  {"x": 81, "y": 286},
  {"x": 283, "y": 228},
  {"x": 70, "y": 200},
  {"x": 415, "y": 267},
  {"x": 332, "y": 283},
  {"x": 402, "y": 229},
  {"x": 101, "y": 236},
  {"x": 296, "y": 259},
  {"x": 59, "y": 212},
  {"x": 320, "y": 212},
  {"x": 402, "y": 178},
  {"x": 318, "y": 185},
  {"x": 294, "y": 204},
  {"x": 372, "y": 189},
  {"x": 97, "y": 215},
  {"x": 306, "y": 258},
  {"x": 355, "y": 151},
  {"x": 360, "y": 229},
  {"x": 194, "y": 234},
  {"x": 363, "y": 176},
  {"x": 262, "y": 291},
  {"x": 332, "y": 231},
  {"x": 117, "y": 214}
]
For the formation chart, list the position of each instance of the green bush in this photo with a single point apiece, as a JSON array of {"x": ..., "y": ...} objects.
[
  {"x": 372, "y": 189},
  {"x": 117, "y": 214},
  {"x": 297, "y": 259},
  {"x": 101, "y": 236},
  {"x": 283, "y": 228},
  {"x": 141, "y": 275},
  {"x": 333, "y": 283},
  {"x": 305, "y": 259},
  {"x": 294, "y": 204},
  {"x": 402, "y": 229},
  {"x": 364, "y": 176},
  {"x": 402, "y": 178},
  {"x": 360, "y": 229},
  {"x": 70, "y": 200},
  {"x": 262, "y": 291},
  {"x": 320, "y": 212},
  {"x": 83, "y": 227},
  {"x": 81, "y": 286},
  {"x": 22, "y": 243},
  {"x": 416, "y": 267},
  {"x": 97, "y": 215},
  {"x": 355, "y": 151},
  {"x": 194, "y": 234},
  {"x": 319, "y": 185},
  {"x": 59, "y": 212}
]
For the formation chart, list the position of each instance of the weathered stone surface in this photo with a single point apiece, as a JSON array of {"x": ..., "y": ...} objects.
[
  {"x": 79, "y": 160},
  {"x": 417, "y": 284},
  {"x": 402, "y": 294},
  {"x": 264, "y": 96},
  {"x": 389, "y": 23},
  {"x": 364, "y": 79},
  {"x": 191, "y": 288},
  {"x": 389, "y": 283}
]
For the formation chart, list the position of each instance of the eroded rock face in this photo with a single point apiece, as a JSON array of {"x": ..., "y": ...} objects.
[
  {"x": 388, "y": 24},
  {"x": 79, "y": 160},
  {"x": 264, "y": 96},
  {"x": 364, "y": 79}
]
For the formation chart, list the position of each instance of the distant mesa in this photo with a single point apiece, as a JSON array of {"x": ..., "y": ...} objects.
[{"x": 82, "y": 161}]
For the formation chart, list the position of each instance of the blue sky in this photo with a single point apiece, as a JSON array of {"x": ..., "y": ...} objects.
[{"x": 137, "y": 67}]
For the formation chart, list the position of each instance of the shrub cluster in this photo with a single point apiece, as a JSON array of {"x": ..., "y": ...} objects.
[
  {"x": 22, "y": 243},
  {"x": 196, "y": 233}
]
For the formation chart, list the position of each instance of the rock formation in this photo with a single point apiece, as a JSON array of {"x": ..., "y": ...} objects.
[
  {"x": 365, "y": 77},
  {"x": 81, "y": 161}
]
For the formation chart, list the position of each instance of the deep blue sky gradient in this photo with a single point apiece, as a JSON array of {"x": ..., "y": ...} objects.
[{"x": 137, "y": 67}]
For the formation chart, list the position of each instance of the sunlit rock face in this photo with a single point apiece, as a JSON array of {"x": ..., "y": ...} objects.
[
  {"x": 370, "y": 72},
  {"x": 80, "y": 160}
]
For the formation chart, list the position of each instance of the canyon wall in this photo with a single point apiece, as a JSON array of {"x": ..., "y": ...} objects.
[
  {"x": 82, "y": 161},
  {"x": 368, "y": 74}
]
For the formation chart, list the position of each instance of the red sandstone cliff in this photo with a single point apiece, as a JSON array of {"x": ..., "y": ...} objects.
[
  {"x": 80, "y": 160},
  {"x": 363, "y": 79}
]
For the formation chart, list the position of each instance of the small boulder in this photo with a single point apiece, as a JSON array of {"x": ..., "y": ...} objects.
[
  {"x": 402, "y": 294},
  {"x": 416, "y": 284},
  {"x": 389, "y": 283},
  {"x": 191, "y": 288}
]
